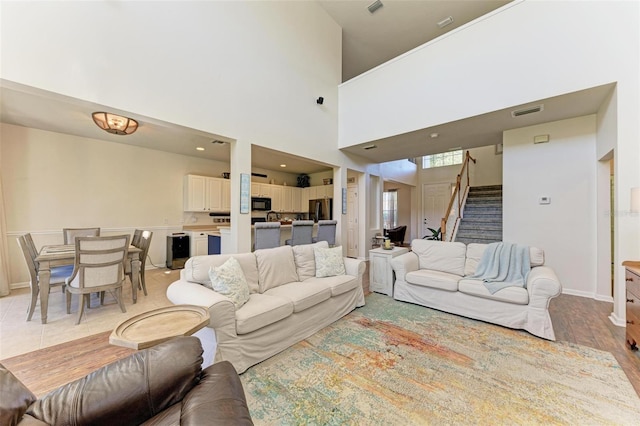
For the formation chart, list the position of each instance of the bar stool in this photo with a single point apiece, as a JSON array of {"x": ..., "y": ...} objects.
[
  {"x": 326, "y": 232},
  {"x": 301, "y": 232},
  {"x": 266, "y": 235}
]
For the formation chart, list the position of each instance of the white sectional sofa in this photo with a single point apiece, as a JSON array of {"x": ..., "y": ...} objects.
[
  {"x": 436, "y": 274},
  {"x": 287, "y": 302}
]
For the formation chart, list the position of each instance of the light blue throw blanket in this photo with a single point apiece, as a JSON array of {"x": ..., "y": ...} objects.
[{"x": 503, "y": 265}]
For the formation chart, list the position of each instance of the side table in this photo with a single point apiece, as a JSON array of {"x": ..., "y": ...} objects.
[
  {"x": 632, "y": 280},
  {"x": 381, "y": 277}
]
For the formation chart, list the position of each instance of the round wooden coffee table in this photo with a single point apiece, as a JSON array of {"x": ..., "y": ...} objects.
[{"x": 150, "y": 328}]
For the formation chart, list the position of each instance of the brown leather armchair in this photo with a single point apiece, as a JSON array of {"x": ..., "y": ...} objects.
[{"x": 161, "y": 385}]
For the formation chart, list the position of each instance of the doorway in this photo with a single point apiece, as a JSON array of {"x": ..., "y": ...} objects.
[{"x": 435, "y": 199}]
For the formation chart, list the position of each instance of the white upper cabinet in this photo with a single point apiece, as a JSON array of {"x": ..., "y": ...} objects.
[{"x": 204, "y": 194}]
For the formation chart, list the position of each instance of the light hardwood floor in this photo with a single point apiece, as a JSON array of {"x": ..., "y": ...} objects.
[{"x": 575, "y": 319}]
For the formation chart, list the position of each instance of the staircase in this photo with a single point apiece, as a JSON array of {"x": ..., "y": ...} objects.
[{"x": 482, "y": 218}]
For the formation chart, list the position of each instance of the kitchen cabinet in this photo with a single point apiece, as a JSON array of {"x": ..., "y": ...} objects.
[
  {"x": 203, "y": 193},
  {"x": 199, "y": 243},
  {"x": 276, "y": 198},
  {"x": 226, "y": 195},
  {"x": 261, "y": 190},
  {"x": 287, "y": 199},
  {"x": 325, "y": 191},
  {"x": 296, "y": 200}
]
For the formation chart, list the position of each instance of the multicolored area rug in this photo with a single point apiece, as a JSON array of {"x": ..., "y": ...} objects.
[{"x": 397, "y": 363}]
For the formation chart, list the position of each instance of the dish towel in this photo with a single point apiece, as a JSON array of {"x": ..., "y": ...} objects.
[{"x": 503, "y": 265}]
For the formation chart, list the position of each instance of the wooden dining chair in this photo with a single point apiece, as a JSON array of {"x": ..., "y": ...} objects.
[
  {"x": 71, "y": 233},
  {"x": 136, "y": 237},
  {"x": 143, "y": 242},
  {"x": 99, "y": 266},
  {"x": 58, "y": 274}
]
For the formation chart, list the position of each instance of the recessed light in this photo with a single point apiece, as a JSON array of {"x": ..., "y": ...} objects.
[
  {"x": 199, "y": 148},
  {"x": 283, "y": 165},
  {"x": 434, "y": 135}
]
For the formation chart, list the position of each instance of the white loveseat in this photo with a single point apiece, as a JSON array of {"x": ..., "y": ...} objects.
[
  {"x": 287, "y": 303},
  {"x": 436, "y": 274}
]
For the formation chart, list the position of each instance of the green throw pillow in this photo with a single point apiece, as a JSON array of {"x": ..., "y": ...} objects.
[
  {"x": 329, "y": 261},
  {"x": 228, "y": 279}
]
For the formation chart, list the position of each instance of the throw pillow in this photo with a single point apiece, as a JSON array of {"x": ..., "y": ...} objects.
[
  {"x": 329, "y": 262},
  {"x": 228, "y": 279}
]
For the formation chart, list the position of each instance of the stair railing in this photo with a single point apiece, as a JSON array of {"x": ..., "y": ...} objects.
[{"x": 458, "y": 193}]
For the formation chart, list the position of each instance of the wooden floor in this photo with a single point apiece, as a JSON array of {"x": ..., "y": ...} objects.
[{"x": 586, "y": 322}]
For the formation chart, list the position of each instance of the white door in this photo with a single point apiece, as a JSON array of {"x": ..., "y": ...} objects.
[
  {"x": 435, "y": 199},
  {"x": 352, "y": 221}
]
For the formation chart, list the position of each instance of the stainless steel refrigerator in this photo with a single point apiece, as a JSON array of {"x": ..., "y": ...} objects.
[{"x": 321, "y": 209}]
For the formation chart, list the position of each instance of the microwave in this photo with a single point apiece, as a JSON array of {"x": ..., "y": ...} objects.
[{"x": 259, "y": 203}]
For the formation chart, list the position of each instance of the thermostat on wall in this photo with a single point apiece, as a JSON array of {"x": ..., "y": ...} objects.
[{"x": 544, "y": 200}]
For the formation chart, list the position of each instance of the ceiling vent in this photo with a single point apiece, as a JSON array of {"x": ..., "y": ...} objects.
[
  {"x": 525, "y": 111},
  {"x": 446, "y": 21},
  {"x": 217, "y": 142},
  {"x": 375, "y": 6},
  {"x": 369, "y": 147}
]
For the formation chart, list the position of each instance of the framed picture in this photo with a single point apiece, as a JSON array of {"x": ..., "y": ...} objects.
[{"x": 245, "y": 189}]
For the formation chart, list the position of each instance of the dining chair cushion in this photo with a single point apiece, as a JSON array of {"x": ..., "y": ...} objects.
[
  {"x": 305, "y": 259},
  {"x": 329, "y": 262},
  {"x": 228, "y": 280},
  {"x": 275, "y": 267}
]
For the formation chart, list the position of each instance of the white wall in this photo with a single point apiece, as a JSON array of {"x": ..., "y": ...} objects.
[
  {"x": 523, "y": 52},
  {"x": 248, "y": 70},
  {"x": 52, "y": 180},
  {"x": 565, "y": 170}
]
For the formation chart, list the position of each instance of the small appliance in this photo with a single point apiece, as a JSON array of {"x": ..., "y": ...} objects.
[{"x": 259, "y": 203}]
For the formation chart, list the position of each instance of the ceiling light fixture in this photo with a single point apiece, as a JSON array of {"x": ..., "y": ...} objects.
[
  {"x": 375, "y": 6},
  {"x": 199, "y": 148},
  {"x": 113, "y": 123},
  {"x": 283, "y": 165},
  {"x": 446, "y": 21},
  {"x": 434, "y": 135}
]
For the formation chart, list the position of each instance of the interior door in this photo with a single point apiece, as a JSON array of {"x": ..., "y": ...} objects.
[
  {"x": 435, "y": 199},
  {"x": 352, "y": 221}
]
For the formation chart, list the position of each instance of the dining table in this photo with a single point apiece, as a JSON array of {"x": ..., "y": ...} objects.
[{"x": 64, "y": 254}]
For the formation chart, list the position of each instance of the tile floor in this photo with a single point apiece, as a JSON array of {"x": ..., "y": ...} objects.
[{"x": 17, "y": 336}]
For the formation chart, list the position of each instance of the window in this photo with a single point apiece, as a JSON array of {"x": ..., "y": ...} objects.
[
  {"x": 449, "y": 158},
  {"x": 390, "y": 209}
]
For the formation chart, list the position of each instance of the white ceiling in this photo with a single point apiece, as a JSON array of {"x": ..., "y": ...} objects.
[{"x": 368, "y": 40}]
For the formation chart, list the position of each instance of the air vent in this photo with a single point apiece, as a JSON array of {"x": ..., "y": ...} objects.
[
  {"x": 370, "y": 147},
  {"x": 525, "y": 111},
  {"x": 375, "y": 6},
  {"x": 217, "y": 142}
]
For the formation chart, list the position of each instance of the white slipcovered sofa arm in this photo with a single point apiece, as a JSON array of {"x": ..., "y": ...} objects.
[
  {"x": 222, "y": 312},
  {"x": 403, "y": 264},
  {"x": 354, "y": 267},
  {"x": 542, "y": 285}
]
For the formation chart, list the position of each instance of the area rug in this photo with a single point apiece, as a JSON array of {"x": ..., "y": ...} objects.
[{"x": 396, "y": 363}]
